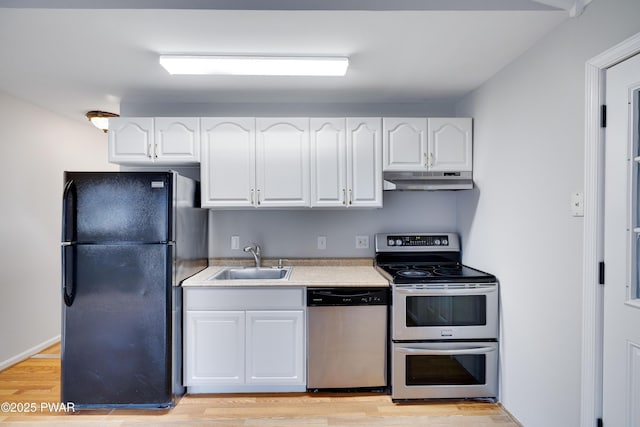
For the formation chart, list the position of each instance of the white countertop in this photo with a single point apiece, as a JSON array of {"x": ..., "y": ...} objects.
[{"x": 301, "y": 275}]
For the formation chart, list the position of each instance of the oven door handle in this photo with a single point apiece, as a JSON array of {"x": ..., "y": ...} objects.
[
  {"x": 466, "y": 291},
  {"x": 433, "y": 352}
]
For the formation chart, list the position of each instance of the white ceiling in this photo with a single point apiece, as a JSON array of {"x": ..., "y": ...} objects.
[{"x": 73, "y": 60}]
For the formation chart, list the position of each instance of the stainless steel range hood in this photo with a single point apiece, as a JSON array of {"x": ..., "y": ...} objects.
[{"x": 421, "y": 181}]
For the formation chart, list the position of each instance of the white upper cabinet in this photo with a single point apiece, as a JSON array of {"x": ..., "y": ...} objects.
[
  {"x": 364, "y": 162},
  {"x": 405, "y": 144},
  {"x": 450, "y": 144},
  {"x": 248, "y": 162},
  {"x": 282, "y": 162},
  {"x": 131, "y": 140},
  {"x": 434, "y": 144},
  {"x": 346, "y": 162},
  {"x": 177, "y": 140},
  {"x": 228, "y": 162},
  {"x": 328, "y": 162},
  {"x": 163, "y": 140}
]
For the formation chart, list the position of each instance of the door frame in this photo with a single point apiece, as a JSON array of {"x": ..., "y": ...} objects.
[{"x": 593, "y": 253}]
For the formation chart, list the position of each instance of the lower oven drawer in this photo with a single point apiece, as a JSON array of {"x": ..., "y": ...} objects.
[{"x": 439, "y": 370}]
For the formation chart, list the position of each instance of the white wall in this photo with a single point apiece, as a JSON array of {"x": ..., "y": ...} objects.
[
  {"x": 36, "y": 146},
  {"x": 433, "y": 108},
  {"x": 529, "y": 157}
]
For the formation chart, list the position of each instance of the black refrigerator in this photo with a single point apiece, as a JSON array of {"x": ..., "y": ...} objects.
[{"x": 128, "y": 241}]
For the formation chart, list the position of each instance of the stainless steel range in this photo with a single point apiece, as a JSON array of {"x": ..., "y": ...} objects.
[{"x": 444, "y": 318}]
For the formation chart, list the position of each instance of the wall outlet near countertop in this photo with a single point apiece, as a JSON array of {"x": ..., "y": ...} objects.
[
  {"x": 235, "y": 243},
  {"x": 322, "y": 243},
  {"x": 362, "y": 242}
]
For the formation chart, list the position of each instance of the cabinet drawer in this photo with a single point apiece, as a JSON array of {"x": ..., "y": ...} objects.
[{"x": 243, "y": 298}]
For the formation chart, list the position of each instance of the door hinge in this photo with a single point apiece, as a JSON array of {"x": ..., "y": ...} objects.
[
  {"x": 601, "y": 273},
  {"x": 599, "y": 422},
  {"x": 603, "y": 116}
]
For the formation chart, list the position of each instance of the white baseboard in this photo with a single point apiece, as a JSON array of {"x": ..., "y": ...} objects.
[{"x": 28, "y": 353}]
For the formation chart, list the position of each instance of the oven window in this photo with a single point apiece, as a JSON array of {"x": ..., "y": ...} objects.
[
  {"x": 463, "y": 310},
  {"x": 424, "y": 370}
]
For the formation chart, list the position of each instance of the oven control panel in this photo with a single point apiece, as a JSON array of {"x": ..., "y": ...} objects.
[
  {"x": 417, "y": 242},
  {"x": 442, "y": 240}
]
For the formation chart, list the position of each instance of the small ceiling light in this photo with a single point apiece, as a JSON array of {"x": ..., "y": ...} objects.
[
  {"x": 100, "y": 119},
  {"x": 256, "y": 65}
]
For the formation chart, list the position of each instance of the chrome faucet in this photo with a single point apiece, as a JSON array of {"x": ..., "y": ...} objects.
[{"x": 255, "y": 252}]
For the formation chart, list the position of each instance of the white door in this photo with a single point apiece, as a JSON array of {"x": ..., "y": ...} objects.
[
  {"x": 227, "y": 170},
  {"x": 621, "y": 358},
  {"x": 364, "y": 162},
  {"x": 214, "y": 348},
  {"x": 328, "y": 162},
  {"x": 282, "y": 162},
  {"x": 177, "y": 140},
  {"x": 131, "y": 140},
  {"x": 275, "y": 347},
  {"x": 405, "y": 144},
  {"x": 450, "y": 144}
]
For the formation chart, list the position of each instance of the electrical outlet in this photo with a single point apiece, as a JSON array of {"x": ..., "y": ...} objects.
[
  {"x": 362, "y": 242},
  {"x": 322, "y": 243},
  {"x": 235, "y": 243}
]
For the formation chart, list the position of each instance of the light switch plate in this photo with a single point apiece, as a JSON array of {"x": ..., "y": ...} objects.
[{"x": 577, "y": 203}]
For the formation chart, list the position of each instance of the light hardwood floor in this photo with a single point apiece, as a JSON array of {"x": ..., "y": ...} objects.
[{"x": 36, "y": 382}]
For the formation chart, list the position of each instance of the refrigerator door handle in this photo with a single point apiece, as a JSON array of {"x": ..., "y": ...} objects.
[
  {"x": 69, "y": 189},
  {"x": 66, "y": 265}
]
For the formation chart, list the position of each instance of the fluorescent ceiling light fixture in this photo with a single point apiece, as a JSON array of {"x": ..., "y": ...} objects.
[{"x": 256, "y": 65}]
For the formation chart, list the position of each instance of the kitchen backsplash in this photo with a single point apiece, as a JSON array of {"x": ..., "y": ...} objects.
[{"x": 294, "y": 233}]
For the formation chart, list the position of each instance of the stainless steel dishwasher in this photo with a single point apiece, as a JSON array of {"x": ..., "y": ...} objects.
[{"x": 347, "y": 338}]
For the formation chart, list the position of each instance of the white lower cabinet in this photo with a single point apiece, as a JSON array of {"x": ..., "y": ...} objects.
[
  {"x": 244, "y": 340},
  {"x": 215, "y": 347},
  {"x": 273, "y": 351}
]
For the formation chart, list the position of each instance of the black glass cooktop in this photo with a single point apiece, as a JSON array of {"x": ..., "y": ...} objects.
[{"x": 435, "y": 273}]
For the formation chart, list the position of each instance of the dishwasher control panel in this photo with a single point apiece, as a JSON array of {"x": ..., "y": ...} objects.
[{"x": 347, "y": 296}]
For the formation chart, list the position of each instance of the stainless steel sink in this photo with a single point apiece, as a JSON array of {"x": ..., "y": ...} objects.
[{"x": 252, "y": 273}]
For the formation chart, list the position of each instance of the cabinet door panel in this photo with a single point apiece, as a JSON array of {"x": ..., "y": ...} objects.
[
  {"x": 275, "y": 347},
  {"x": 215, "y": 347},
  {"x": 328, "y": 162},
  {"x": 450, "y": 144},
  {"x": 131, "y": 139},
  {"x": 405, "y": 144},
  {"x": 177, "y": 140},
  {"x": 282, "y": 162},
  {"x": 364, "y": 160},
  {"x": 228, "y": 162}
]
